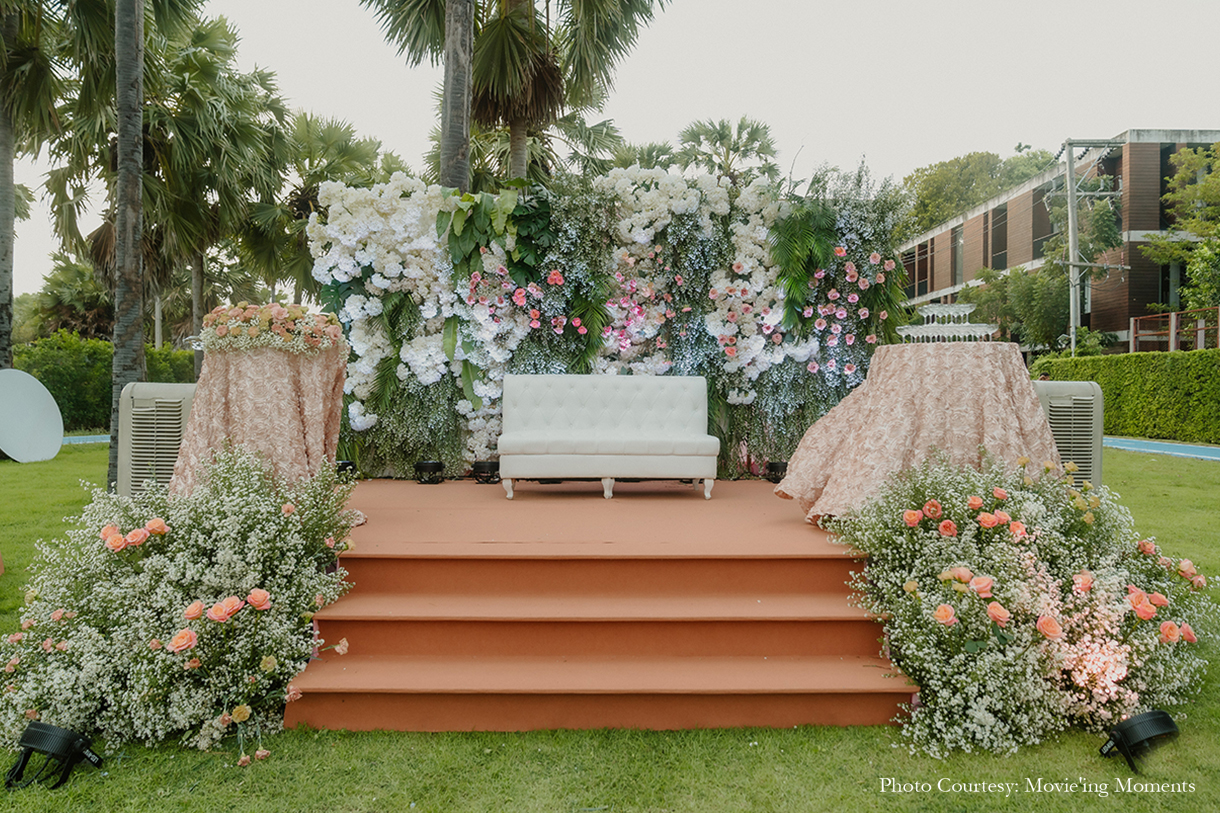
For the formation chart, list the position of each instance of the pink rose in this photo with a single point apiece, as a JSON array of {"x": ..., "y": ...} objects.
[
  {"x": 287, "y": 509},
  {"x": 1049, "y": 627},
  {"x": 974, "y": 503},
  {"x": 1082, "y": 582},
  {"x": 57, "y": 615},
  {"x": 137, "y": 537},
  {"x": 16, "y": 637},
  {"x": 1147, "y": 547},
  {"x": 1188, "y": 634},
  {"x": 997, "y": 613},
  {"x": 840, "y": 251},
  {"x": 1002, "y": 517},
  {"x": 155, "y": 644},
  {"x": 1158, "y": 600},
  {"x": 999, "y": 493},
  {"x": 947, "y": 528},
  {"x": 1199, "y": 582},
  {"x": 874, "y": 258},
  {"x": 982, "y": 585},
  {"x": 1146, "y": 611},
  {"x": 932, "y": 509},
  {"x": 293, "y": 693},
  {"x": 889, "y": 265},
  {"x": 194, "y": 610},
  {"x": 988, "y": 520},
  {"x": 945, "y": 615},
  {"x": 157, "y": 527},
  {"x": 193, "y": 663},
  {"x": 260, "y": 599},
  {"x": 1170, "y": 632},
  {"x": 912, "y": 517},
  {"x": 183, "y": 640}
]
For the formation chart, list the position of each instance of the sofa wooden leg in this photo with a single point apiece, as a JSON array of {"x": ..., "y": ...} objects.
[
  {"x": 508, "y": 486},
  {"x": 708, "y": 482},
  {"x": 608, "y": 487}
]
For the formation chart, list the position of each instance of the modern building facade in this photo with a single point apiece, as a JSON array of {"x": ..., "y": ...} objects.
[{"x": 1010, "y": 230}]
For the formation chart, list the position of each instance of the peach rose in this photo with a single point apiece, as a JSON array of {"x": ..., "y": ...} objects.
[
  {"x": 997, "y": 613},
  {"x": 58, "y": 615},
  {"x": 293, "y": 693},
  {"x": 193, "y": 663},
  {"x": 999, "y": 493},
  {"x": 1199, "y": 582},
  {"x": 962, "y": 574},
  {"x": 1146, "y": 547},
  {"x": 137, "y": 537},
  {"x": 194, "y": 610},
  {"x": 1170, "y": 632},
  {"x": 982, "y": 585},
  {"x": 1002, "y": 517},
  {"x": 932, "y": 509},
  {"x": 1188, "y": 634},
  {"x": 1146, "y": 611},
  {"x": 1158, "y": 600},
  {"x": 288, "y": 508},
  {"x": 108, "y": 532},
  {"x": 974, "y": 503},
  {"x": 259, "y": 599},
  {"x": 1017, "y": 528},
  {"x": 947, "y": 528},
  {"x": 912, "y": 517},
  {"x": 232, "y": 605},
  {"x": 1082, "y": 582},
  {"x": 1136, "y": 596},
  {"x": 911, "y": 586},
  {"x": 155, "y": 644},
  {"x": 217, "y": 613},
  {"x": 1186, "y": 569},
  {"x": 157, "y": 527},
  {"x": 988, "y": 520},
  {"x": 1049, "y": 627},
  {"x": 116, "y": 542},
  {"x": 183, "y": 640},
  {"x": 945, "y": 615}
]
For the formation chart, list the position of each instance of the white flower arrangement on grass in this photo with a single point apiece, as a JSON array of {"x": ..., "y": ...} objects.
[
  {"x": 1023, "y": 603},
  {"x": 179, "y": 617}
]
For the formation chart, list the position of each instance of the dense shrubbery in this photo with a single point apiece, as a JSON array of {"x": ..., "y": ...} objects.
[
  {"x": 78, "y": 372},
  {"x": 1175, "y": 396}
]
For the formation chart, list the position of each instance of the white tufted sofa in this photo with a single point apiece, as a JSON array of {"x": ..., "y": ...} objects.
[{"x": 606, "y": 426}]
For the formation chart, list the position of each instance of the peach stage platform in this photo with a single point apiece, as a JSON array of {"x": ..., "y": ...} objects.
[{"x": 656, "y": 609}]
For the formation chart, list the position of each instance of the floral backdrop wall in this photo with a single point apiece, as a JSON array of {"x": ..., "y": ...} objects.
[{"x": 777, "y": 300}]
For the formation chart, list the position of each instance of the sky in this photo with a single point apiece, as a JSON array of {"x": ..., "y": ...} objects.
[{"x": 893, "y": 83}]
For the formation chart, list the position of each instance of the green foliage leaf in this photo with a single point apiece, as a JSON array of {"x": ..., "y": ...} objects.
[
  {"x": 449, "y": 337},
  {"x": 471, "y": 373}
]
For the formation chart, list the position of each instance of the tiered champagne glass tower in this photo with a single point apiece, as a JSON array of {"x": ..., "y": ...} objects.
[{"x": 946, "y": 323}]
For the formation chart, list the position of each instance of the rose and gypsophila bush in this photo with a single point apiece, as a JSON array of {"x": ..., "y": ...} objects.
[
  {"x": 639, "y": 272},
  {"x": 1022, "y": 602},
  {"x": 185, "y": 616}
]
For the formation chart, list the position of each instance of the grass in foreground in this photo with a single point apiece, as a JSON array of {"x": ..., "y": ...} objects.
[{"x": 810, "y": 769}]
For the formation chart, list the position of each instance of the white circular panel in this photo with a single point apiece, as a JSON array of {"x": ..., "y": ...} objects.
[{"x": 31, "y": 426}]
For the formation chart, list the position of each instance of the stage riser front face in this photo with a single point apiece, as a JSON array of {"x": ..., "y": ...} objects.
[{"x": 561, "y": 609}]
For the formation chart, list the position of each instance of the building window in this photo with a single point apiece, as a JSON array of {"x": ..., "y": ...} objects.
[
  {"x": 999, "y": 238},
  {"x": 1043, "y": 230},
  {"x": 958, "y": 270}
]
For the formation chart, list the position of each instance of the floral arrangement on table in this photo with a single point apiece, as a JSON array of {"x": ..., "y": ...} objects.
[
  {"x": 285, "y": 327},
  {"x": 635, "y": 272},
  {"x": 183, "y": 617},
  {"x": 1022, "y": 602}
]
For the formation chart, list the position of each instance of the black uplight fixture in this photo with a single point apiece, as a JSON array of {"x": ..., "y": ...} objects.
[
  {"x": 1139, "y": 734},
  {"x": 429, "y": 472},
  {"x": 62, "y": 749}
]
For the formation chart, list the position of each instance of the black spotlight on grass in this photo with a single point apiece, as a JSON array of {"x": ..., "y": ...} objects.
[
  {"x": 61, "y": 748},
  {"x": 1137, "y": 735}
]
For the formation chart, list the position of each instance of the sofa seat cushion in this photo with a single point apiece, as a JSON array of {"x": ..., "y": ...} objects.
[{"x": 535, "y": 442}]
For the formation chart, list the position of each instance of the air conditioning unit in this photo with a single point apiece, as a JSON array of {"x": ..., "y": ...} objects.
[
  {"x": 1074, "y": 410},
  {"x": 152, "y": 422}
]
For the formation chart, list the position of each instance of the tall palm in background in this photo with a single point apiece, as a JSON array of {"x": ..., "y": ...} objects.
[
  {"x": 740, "y": 153},
  {"x": 528, "y": 65}
]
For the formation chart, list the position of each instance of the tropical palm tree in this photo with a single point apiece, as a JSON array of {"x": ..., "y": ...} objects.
[
  {"x": 273, "y": 241},
  {"x": 652, "y": 155},
  {"x": 527, "y": 66},
  {"x": 740, "y": 153}
]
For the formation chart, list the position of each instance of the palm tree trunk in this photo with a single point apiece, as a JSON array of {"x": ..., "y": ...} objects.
[
  {"x": 197, "y": 306},
  {"x": 157, "y": 321},
  {"x": 518, "y": 155},
  {"x": 455, "y": 104},
  {"x": 129, "y": 284},
  {"x": 8, "y": 211}
]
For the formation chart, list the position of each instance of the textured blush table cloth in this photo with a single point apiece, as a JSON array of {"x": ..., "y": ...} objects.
[
  {"x": 950, "y": 396},
  {"x": 286, "y": 406}
]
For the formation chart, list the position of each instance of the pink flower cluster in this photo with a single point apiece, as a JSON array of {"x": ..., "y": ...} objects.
[
  {"x": 115, "y": 540},
  {"x": 224, "y": 326}
]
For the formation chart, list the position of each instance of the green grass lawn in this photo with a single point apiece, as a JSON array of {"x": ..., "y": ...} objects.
[{"x": 805, "y": 769}]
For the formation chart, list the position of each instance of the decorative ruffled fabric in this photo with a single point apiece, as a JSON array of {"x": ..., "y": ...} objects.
[
  {"x": 960, "y": 398},
  {"x": 286, "y": 406}
]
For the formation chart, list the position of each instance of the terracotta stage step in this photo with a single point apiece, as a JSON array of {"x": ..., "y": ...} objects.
[{"x": 561, "y": 609}]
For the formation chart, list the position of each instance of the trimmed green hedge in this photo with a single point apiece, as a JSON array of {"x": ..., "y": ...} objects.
[
  {"x": 1175, "y": 396},
  {"x": 77, "y": 373}
]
